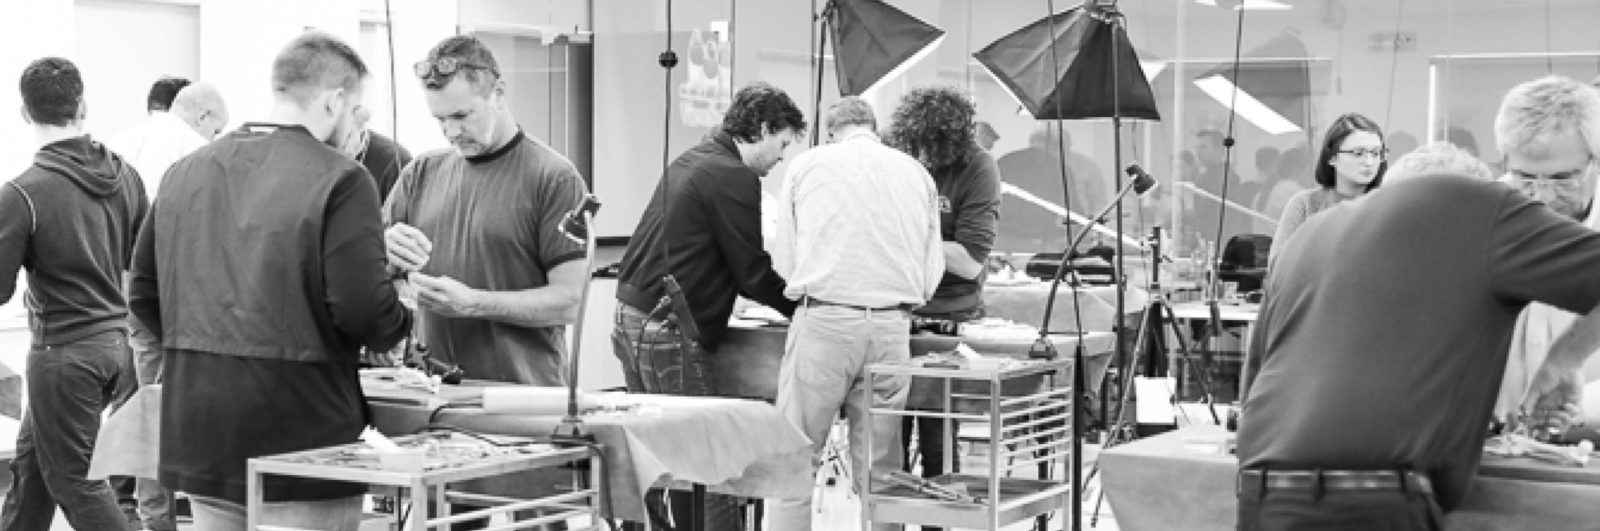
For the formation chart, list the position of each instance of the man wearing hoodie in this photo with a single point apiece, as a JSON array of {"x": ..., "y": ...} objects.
[{"x": 70, "y": 219}]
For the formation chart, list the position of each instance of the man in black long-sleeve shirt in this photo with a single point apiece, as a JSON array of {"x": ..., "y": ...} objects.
[
  {"x": 70, "y": 220},
  {"x": 703, "y": 227},
  {"x": 261, "y": 273}
]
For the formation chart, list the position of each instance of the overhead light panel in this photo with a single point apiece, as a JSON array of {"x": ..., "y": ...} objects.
[
  {"x": 1249, "y": 108},
  {"x": 1251, "y": 5}
]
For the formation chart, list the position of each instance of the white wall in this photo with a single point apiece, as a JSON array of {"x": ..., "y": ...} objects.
[
  {"x": 240, "y": 38},
  {"x": 32, "y": 29},
  {"x": 418, "y": 26},
  {"x": 117, "y": 78}
]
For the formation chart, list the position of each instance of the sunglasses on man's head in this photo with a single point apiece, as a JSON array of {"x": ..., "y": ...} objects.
[{"x": 446, "y": 67}]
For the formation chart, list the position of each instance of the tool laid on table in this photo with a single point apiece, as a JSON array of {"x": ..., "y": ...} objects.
[
  {"x": 1520, "y": 441},
  {"x": 924, "y": 486}
]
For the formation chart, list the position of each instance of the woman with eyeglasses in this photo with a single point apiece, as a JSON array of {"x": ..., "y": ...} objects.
[{"x": 1351, "y": 164}]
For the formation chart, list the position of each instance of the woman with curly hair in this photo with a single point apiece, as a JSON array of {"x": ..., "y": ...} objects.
[{"x": 936, "y": 126}]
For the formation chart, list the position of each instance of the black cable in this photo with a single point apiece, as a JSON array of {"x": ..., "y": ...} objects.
[
  {"x": 1394, "y": 59},
  {"x": 1215, "y": 324},
  {"x": 1066, "y": 267},
  {"x": 1227, "y": 157},
  {"x": 1549, "y": 62},
  {"x": 819, "y": 29},
  {"x": 394, "y": 80},
  {"x": 1075, "y": 474},
  {"x": 668, "y": 59}
]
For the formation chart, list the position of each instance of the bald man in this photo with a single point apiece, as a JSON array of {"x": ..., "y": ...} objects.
[{"x": 195, "y": 116}]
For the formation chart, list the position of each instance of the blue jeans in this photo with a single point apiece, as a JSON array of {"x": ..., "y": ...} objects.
[
  {"x": 656, "y": 359},
  {"x": 69, "y": 387}
]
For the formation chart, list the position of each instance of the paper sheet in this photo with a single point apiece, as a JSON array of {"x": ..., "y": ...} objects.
[{"x": 1154, "y": 400}]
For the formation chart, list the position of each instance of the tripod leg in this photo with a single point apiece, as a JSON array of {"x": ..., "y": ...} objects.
[{"x": 1203, "y": 377}]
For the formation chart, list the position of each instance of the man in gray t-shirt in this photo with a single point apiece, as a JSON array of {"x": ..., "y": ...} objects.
[
  {"x": 1380, "y": 347},
  {"x": 477, "y": 229}
]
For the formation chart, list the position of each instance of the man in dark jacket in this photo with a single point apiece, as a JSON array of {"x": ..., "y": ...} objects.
[
  {"x": 703, "y": 228},
  {"x": 70, "y": 220},
  {"x": 261, "y": 272}
]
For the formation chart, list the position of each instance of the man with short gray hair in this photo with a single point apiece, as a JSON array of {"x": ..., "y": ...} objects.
[
  {"x": 1548, "y": 130},
  {"x": 1437, "y": 158},
  {"x": 858, "y": 242}
]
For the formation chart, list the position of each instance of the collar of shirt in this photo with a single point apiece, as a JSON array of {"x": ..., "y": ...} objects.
[
  {"x": 269, "y": 128},
  {"x": 859, "y": 133},
  {"x": 498, "y": 152},
  {"x": 177, "y": 124}
]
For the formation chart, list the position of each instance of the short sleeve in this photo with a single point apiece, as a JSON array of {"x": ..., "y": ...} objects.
[
  {"x": 397, "y": 207},
  {"x": 1537, "y": 255},
  {"x": 561, "y": 192}
]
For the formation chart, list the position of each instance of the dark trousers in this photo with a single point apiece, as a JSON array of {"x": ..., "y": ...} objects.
[
  {"x": 1264, "y": 508},
  {"x": 656, "y": 359},
  {"x": 69, "y": 386},
  {"x": 932, "y": 444}
]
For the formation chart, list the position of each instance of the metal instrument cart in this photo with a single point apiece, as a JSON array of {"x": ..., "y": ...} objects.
[
  {"x": 1029, "y": 424},
  {"x": 449, "y": 458}
]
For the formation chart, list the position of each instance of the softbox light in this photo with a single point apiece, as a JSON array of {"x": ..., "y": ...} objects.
[
  {"x": 1077, "y": 83},
  {"x": 874, "y": 41}
]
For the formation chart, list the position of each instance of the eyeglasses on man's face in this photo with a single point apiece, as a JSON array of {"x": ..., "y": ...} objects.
[
  {"x": 1365, "y": 153},
  {"x": 1569, "y": 181}
]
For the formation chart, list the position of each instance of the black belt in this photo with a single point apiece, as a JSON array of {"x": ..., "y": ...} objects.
[
  {"x": 809, "y": 301},
  {"x": 1260, "y": 481}
]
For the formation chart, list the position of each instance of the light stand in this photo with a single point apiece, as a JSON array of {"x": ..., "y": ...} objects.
[
  {"x": 1044, "y": 348},
  {"x": 872, "y": 42},
  {"x": 822, "y": 46},
  {"x": 576, "y": 227},
  {"x": 1092, "y": 32}
]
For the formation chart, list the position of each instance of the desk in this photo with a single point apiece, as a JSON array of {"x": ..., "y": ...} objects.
[
  {"x": 748, "y": 361},
  {"x": 1215, "y": 349},
  {"x": 1238, "y": 313},
  {"x": 738, "y": 447},
  {"x": 1170, "y": 482},
  {"x": 1024, "y": 303},
  {"x": 442, "y": 460}
]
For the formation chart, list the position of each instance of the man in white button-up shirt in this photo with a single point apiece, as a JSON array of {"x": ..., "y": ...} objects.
[
  {"x": 858, "y": 241},
  {"x": 197, "y": 115}
]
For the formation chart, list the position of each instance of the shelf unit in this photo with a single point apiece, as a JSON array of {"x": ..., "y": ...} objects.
[
  {"x": 450, "y": 458},
  {"x": 1029, "y": 424}
]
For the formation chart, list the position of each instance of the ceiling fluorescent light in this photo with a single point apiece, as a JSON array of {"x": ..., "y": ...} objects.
[
  {"x": 905, "y": 65},
  {"x": 1152, "y": 69},
  {"x": 1253, "y": 5},
  {"x": 1251, "y": 109}
]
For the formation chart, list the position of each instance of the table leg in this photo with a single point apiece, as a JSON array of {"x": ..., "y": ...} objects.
[
  {"x": 419, "y": 506},
  {"x": 697, "y": 514},
  {"x": 252, "y": 500}
]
